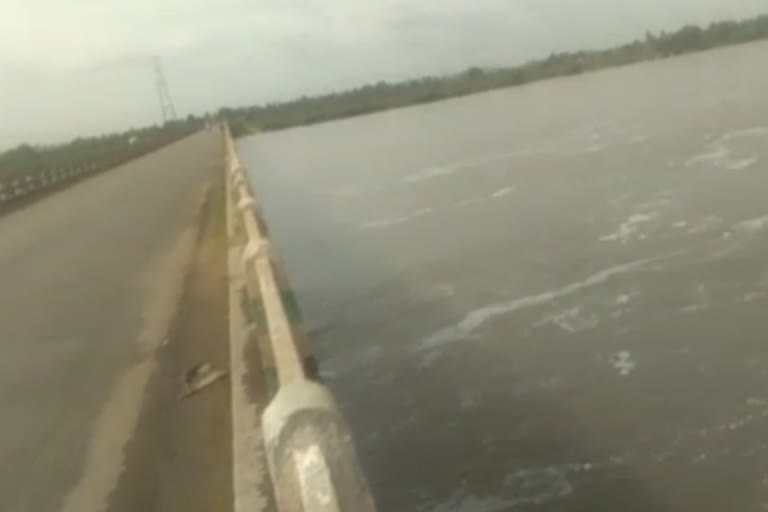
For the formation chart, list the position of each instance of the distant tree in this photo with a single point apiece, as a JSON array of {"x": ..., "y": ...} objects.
[
  {"x": 110, "y": 148},
  {"x": 474, "y": 73}
]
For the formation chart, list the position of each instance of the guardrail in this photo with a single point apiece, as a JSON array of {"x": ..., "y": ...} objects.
[
  {"x": 20, "y": 189},
  {"x": 309, "y": 449}
]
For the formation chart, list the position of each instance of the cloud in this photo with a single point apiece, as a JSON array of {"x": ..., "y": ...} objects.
[{"x": 84, "y": 66}]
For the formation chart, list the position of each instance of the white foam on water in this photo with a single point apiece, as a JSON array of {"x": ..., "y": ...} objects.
[
  {"x": 694, "y": 308},
  {"x": 465, "y": 502},
  {"x": 618, "y": 201},
  {"x": 737, "y": 165},
  {"x": 571, "y": 320},
  {"x": 541, "y": 485},
  {"x": 629, "y": 228},
  {"x": 756, "y": 131},
  {"x": 550, "y": 383},
  {"x": 432, "y": 291},
  {"x": 353, "y": 360},
  {"x": 428, "y": 360},
  {"x": 757, "y": 401},
  {"x": 502, "y": 192},
  {"x": 659, "y": 200},
  {"x": 594, "y": 148},
  {"x": 680, "y": 224},
  {"x": 476, "y": 318},
  {"x": 717, "y": 154},
  {"x": 470, "y": 201},
  {"x": 625, "y": 298},
  {"x": 702, "y": 457},
  {"x": 340, "y": 192},
  {"x": 637, "y": 139},
  {"x": 467, "y": 400},
  {"x": 706, "y": 224},
  {"x": 389, "y": 222},
  {"x": 641, "y": 217},
  {"x": 752, "y": 225},
  {"x": 383, "y": 223},
  {"x": 623, "y": 363},
  {"x": 430, "y": 173},
  {"x": 735, "y": 423},
  {"x": 751, "y": 297},
  {"x": 756, "y": 412},
  {"x": 525, "y": 487},
  {"x": 624, "y": 233},
  {"x": 422, "y": 211}
]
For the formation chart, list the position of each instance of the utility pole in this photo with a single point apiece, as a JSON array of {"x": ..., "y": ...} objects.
[{"x": 167, "y": 110}]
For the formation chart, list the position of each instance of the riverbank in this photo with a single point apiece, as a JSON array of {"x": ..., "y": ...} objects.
[{"x": 386, "y": 96}]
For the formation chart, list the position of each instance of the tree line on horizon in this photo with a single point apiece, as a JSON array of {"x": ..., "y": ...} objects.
[
  {"x": 385, "y": 95},
  {"x": 117, "y": 147},
  {"x": 102, "y": 151}
]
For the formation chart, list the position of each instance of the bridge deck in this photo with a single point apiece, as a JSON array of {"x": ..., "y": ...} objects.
[{"x": 89, "y": 278}]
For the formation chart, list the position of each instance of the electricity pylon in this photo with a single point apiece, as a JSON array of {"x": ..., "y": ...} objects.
[{"x": 167, "y": 110}]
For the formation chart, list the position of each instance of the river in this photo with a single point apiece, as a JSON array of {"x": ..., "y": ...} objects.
[{"x": 550, "y": 297}]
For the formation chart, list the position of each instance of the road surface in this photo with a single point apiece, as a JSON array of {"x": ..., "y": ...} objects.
[
  {"x": 89, "y": 278},
  {"x": 550, "y": 297}
]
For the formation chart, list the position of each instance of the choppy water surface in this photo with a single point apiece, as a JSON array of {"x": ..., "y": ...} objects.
[{"x": 553, "y": 297}]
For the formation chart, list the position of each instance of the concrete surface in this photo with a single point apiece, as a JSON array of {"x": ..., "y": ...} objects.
[
  {"x": 550, "y": 297},
  {"x": 249, "y": 353},
  {"x": 89, "y": 281},
  {"x": 180, "y": 456}
]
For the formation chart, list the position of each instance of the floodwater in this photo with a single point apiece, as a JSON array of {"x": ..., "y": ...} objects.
[{"x": 552, "y": 297}]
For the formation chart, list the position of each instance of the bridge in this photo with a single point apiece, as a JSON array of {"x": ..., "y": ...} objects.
[
  {"x": 608, "y": 352},
  {"x": 151, "y": 354}
]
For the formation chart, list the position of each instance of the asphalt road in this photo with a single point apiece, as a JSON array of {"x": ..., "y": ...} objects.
[{"x": 88, "y": 282}]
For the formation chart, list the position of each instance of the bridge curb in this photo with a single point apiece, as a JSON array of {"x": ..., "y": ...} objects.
[{"x": 251, "y": 485}]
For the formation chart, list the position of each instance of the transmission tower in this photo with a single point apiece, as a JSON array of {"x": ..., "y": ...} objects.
[{"x": 167, "y": 109}]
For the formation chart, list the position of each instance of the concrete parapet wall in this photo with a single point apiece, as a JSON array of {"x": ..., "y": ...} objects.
[{"x": 306, "y": 443}]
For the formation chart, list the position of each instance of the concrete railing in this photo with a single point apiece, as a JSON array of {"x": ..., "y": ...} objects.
[
  {"x": 16, "y": 190},
  {"x": 19, "y": 189},
  {"x": 308, "y": 447}
]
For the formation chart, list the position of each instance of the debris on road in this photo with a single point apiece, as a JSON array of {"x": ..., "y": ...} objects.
[{"x": 200, "y": 377}]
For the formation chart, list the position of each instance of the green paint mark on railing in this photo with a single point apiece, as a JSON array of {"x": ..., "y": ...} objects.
[
  {"x": 254, "y": 313},
  {"x": 291, "y": 306},
  {"x": 271, "y": 381}
]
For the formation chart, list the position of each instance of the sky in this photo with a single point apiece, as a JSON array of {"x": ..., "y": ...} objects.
[{"x": 80, "y": 67}]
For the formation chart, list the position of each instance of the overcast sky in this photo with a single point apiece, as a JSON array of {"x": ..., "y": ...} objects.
[{"x": 72, "y": 67}]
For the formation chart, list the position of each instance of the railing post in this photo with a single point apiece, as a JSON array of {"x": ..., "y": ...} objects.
[{"x": 310, "y": 453}]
